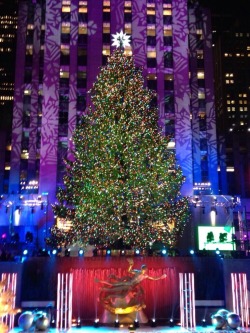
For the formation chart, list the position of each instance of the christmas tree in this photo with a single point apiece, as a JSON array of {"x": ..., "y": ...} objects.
[{"x": 124, "y": 182}]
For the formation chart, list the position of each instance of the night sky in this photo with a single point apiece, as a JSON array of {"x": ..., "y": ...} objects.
[{"x": 229, "y": 14}]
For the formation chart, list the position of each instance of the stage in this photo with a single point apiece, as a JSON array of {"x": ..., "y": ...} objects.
[
  {"x": 39, "y": 282},
  {"x": 142, "y": 329}
]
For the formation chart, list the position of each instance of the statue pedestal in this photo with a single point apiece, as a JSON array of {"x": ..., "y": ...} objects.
[{"x": 128, "y": 318}]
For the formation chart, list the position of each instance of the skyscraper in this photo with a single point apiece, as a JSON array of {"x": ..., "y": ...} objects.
[
  {"x": 8, "y": 27},
  {"x": 232, "y": 76},
  {"x": 61, "y": 46}
]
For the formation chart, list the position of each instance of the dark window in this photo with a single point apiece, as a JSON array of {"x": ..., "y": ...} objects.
[
  {"x": 83, "y": 17},
  {"x": 169, "y": 127},
  {"x": 64, "y": 59},
  {"x": 65, "y": 17},
  {"x": 202, "y": 123},
  {"x": 82, "y": 39},
  {"x": 128, "y": 17},
  {"x": 64, "y": 82},
  {"x": 106, "y": 17},
  {"x": 104, "y": 60},
  {"x": 151, "y": 62},
  {"x": 65, "y": 38},
  {"x": 168, "y": 40},
  {"x": 202, "y": 104},
  {"x": 168, "y": 59},
  {"x": 28, "y": 60},
  {"x": 28, "y": 75},
  {"x": 167, "y": 19},
  {"x": 169, "y": 84},
  {"x": 152, "y": 84},
  {"x": 106, "y": 38},
  {"x": 151, "y": 19},
  {"x": 169, "y": 103},
  {"x": 201, "y": 83},
  {"x": 81, "y": 102},
  {"x": 203, "y": 144},
  {"x": 82, "y": 57},
  {"x": 151, "y": 40}
]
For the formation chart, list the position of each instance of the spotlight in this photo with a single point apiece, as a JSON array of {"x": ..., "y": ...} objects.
[
  {"x": 204, "y": 323},
  {"x": 80, "y": 253},
  {"x": 25, "y": 252},
  {"x": 116, "y": 323},
  {"x": 171, "y": 322},
  {"x": 96, "y": 323},
  {"x": 132, "y": 328},
  {"x": 163, "y": 252},
  {"x": 108, "y": 252},
  {"x": 137, "y": 252},
  {"x": 67, "y": 253},
  {"x": 78, "y": 324},
  {"x": 54, "y": 252},
  {"x": 53, "y": 323},
  {"x": 153, "y": 322},
  {"x": 191, "y": 252},
  {"x": 122, "y": 253},
  {"x": 42, "y": 253},
  {"x": 136, "y": 323},
  {"x": 217, "y": 251}
]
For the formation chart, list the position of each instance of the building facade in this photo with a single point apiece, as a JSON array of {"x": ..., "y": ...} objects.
[
  {"x": 61, "y": 47},
  {"x": 8, "y": 28},
  {"x": 232, "y": 70}
]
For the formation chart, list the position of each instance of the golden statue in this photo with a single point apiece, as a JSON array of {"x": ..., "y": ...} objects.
[{"x": 125, "y": 295}]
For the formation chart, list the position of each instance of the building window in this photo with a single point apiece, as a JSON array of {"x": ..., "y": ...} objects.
[
  {"x": 201, "y": 94},
  {"x": 168, "y": 59},
  {"x": 106, "y": 50},
  {"x": 81, "y": 79},
  {"x": 151, "y": 81},
  {"x": 82, "y": 57},
  {"x": 83, "y": 7},
  {"x": 106, "y": 28},
  {"x": 201, "y": 75},
  {"x": 168, "y": 82},
  {"x": 128, "y": 29}
]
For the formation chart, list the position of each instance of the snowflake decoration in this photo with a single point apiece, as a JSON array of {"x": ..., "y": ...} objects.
[{"x": 120, "y": 39}]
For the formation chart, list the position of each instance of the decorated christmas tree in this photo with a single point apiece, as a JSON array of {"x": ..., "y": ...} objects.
[{"x": 123, "y": 183}]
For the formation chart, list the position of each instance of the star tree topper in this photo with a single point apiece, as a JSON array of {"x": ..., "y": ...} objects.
[{"x": 121, "y": 40}]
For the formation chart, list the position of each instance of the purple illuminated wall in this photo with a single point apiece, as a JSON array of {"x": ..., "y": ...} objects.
[
  {"x": 72, "y": 73},
  {"x": 94, "y": 49},
  {"x": 117, "y": 16},
  {"x": 183, "y": 133},
  {"x": 210, "y": 107},
  {"x": 34, "y": 94},
  {"x": 139, "y": 33},
  {"x": 194, "y": 97},
  {"x": 160, "y": 63},
  {"x": 50, "y": 109},
  {"x": 186, "y": 142}
]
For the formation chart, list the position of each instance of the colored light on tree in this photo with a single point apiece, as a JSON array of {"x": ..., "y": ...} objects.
[{"x": 124, "y": 182}]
